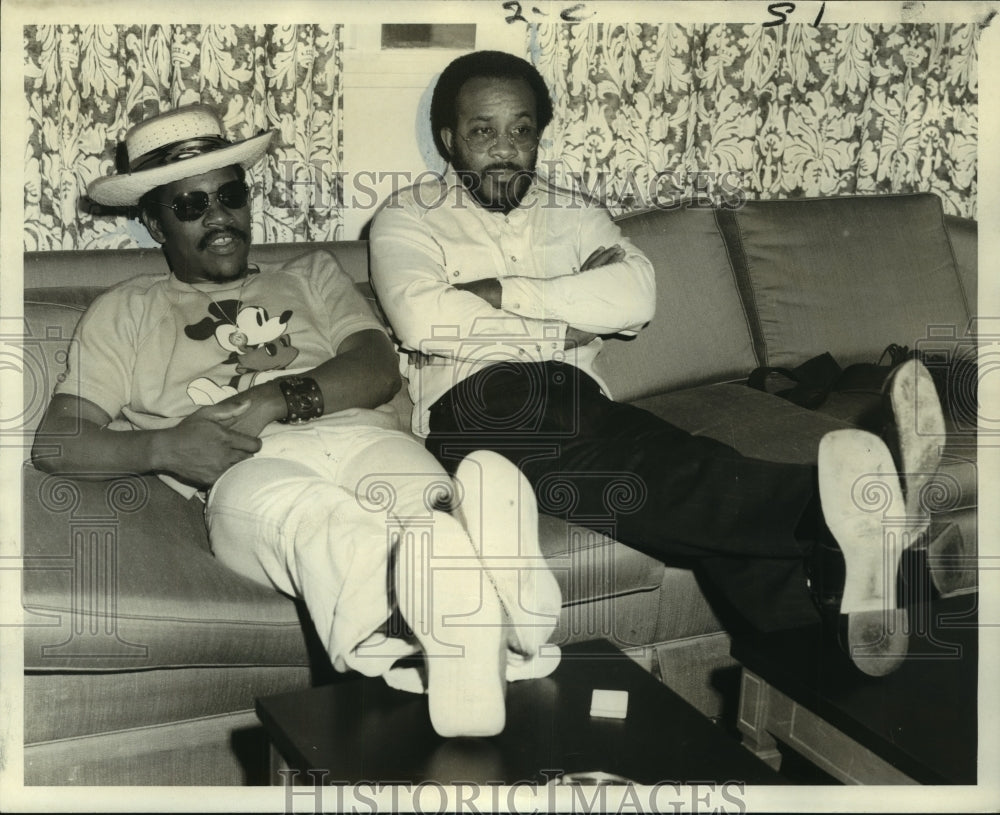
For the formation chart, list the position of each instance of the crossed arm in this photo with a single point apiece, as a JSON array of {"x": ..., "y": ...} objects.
[
  {"x": 491, "y": 290},
  {"x": 612, "y": 291},
  {"x": 73, "y": 435}
]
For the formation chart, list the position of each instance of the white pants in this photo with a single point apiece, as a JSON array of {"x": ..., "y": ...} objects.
[{"x": 316, "y": 513}]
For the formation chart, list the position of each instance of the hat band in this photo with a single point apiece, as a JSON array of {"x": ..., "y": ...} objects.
[{"x": 177, "y": 151}]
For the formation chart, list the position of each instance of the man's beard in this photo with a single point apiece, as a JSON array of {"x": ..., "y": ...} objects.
[{"x": 506, "y": 195}]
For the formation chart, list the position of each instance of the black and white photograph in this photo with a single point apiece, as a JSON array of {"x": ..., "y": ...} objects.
[{"x": 499, "y": 406}]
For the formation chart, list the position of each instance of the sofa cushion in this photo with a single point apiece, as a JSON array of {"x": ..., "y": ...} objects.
[
  {"x": 118, "y": 575},
  {"x": 95, "y": 267},
  {"x": 757, "y": 424},
  {"x": 67, "y": 705},
  {"x": 765, "y": 426},
  {"x": 847, "y": 275},
  {"x": 105, "y": 267},
  {"x": 699, "y": 332}
]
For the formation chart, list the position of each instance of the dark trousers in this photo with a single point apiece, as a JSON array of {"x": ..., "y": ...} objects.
[{"x": 619, "y": 469}]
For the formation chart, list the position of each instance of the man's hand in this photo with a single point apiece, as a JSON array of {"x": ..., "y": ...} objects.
[
  {"x": 491, "y": 291},
  {"x": 575, "y": 338},
  {"x": 488, "y": 289},
  {"x": 602, "y": 257},
  {"x": 205, "y": 444},
  {"x": 255, "y": 408}
]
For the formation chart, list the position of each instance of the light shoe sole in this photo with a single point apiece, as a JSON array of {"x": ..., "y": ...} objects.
[
  {"x": 859, "y": 490},
  {"x": 876, "y": 641},
  {"x": 919, "y": 431},
  {"x": 499, "y": 512},
  {"x": 864, "y": 509},
  {"x": 454, "y": 611}
]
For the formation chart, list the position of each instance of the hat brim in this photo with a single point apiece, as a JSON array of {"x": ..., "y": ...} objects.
[{"x": 126, "y": 190}]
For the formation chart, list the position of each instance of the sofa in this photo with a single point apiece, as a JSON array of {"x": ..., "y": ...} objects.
[{"x": 143, "y": 656}]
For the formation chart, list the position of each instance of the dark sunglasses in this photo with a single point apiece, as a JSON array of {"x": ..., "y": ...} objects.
[{"x": 190, "y": 206}]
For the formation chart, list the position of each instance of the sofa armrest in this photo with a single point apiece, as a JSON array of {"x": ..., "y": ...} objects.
[{"x": 963, "y": 234}]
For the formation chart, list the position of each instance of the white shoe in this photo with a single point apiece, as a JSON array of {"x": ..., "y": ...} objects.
[
  {"x": 499, "y": 512},
  {"x": 864, "y": 509},
  {"x": 917, "y": 431}
]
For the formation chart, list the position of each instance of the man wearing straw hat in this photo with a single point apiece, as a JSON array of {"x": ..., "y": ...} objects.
[{"x": 265, "y": 388}]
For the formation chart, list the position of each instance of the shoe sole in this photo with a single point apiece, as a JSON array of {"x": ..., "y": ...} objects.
[
  {"x": 858, "y": 485},
  {"x": 859, "y": 489},
  {"x": 919, "y": 429},
  {"x": 877, "y": 641},
  {"x": 499, "y": 512},
  {"x": 438, "y": 584}
]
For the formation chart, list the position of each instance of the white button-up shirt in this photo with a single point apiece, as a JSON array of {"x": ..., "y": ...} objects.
[{"x": 433, "y": 235}]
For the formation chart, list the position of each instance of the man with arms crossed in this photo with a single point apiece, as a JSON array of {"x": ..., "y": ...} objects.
[
  {"x": 267, "y": 386},
  {"x": 500, "y": 287}
]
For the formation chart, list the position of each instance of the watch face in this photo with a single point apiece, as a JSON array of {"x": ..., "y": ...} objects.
[{"x": 303, "y": 398}]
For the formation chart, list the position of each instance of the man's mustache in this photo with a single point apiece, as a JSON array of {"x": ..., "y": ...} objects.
[
  {"x": 474, "y": 179},
  {"x": 226, "y": 230},
  {"x": 503, "y": 166}
]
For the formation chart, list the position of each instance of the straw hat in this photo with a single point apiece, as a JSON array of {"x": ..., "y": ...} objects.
[{"x": 178, "y": 144}]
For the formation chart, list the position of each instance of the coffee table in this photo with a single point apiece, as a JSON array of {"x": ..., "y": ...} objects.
[
  {"x": 916, "y": 725},
  {"x": 359, "y": 730}
]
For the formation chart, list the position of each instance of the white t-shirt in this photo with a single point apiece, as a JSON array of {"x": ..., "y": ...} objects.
[{"x": 153, "y": 349}]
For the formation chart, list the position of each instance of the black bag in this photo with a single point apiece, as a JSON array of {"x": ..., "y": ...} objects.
[
  {"x": 807, "y": 385},
  {"x": 956, "y": 380}
]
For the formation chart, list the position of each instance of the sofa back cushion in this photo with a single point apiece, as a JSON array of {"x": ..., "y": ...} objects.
[
  {"x": 846, "y": 275},
  {"x": 105, "y": 267},
  {"x": 700, "y": 331},
  {"x": 50, "y": 316}
]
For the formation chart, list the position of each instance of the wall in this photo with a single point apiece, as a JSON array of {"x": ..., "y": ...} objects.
[
  {"x": 386, "y": 113},
  {"x": 789, "y": 112}
]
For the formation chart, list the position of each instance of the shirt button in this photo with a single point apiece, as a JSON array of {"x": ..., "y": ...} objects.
[
  {"x": 520, "y": 351},
  {"x": 513, "y": 258},
  {"x": 455, "y": 274}
]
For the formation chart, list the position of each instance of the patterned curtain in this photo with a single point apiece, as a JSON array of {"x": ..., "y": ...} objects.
[
  {"x": 86, "y": 85},
  {"x": 647, "y": 113}
]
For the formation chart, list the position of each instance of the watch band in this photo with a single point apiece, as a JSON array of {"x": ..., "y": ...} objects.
[{"x": 303, "y": 399}]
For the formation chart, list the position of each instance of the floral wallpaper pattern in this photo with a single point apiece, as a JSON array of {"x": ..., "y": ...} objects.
[
  {"x": 86, "y": 85},
  {"x": 645, "y": 113},
  {"x": 648, "y": 112}
]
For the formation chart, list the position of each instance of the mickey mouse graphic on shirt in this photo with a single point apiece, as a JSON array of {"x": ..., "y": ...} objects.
[{"x": 257, "y": 344}]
